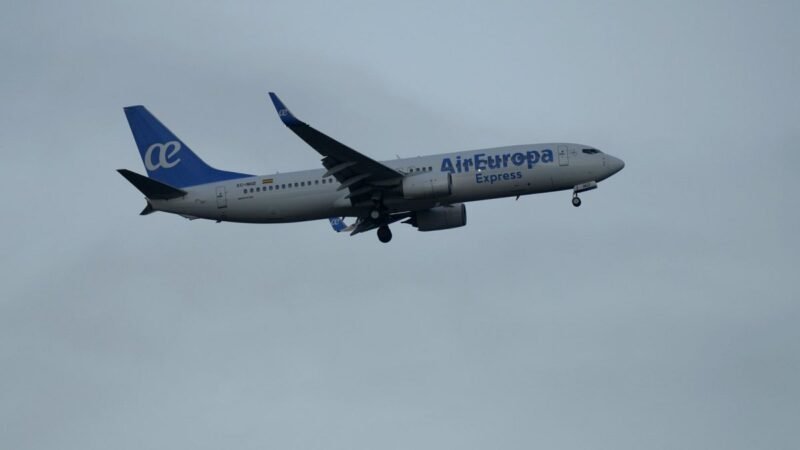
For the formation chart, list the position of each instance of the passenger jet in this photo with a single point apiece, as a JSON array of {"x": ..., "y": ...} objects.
[{"x": 427, "y": 192}]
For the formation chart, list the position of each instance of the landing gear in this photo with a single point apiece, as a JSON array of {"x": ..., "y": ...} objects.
[
  {"x": 375, "y": 214},
  {"x": 583, "y": 187},
  {"x": 384, "y": 234}
]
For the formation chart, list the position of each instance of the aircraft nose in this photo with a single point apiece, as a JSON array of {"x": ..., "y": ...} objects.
[{"x": 615, "y": 164}]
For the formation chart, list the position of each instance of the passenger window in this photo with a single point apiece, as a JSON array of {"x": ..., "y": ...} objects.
[
  {"x": 316, "y": 181},
  {"x": 302, "y": 183},
  {"x": 283, "y": 186},
  {"x": 270, "y": 188},
  {"x": 430, "y": 168}
]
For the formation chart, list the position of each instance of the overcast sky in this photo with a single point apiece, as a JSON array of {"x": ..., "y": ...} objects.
[{"x": 661, "y": 314}]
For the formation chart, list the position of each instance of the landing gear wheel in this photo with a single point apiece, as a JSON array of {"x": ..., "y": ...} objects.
[
  {"x": 576, "y": 201},
  {"x": 384, "y": 234}
]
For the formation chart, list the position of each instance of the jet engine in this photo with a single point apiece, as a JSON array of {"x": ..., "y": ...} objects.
[
  {"x": 427, "y": 185},
  {"x": 441, "y": 217}
]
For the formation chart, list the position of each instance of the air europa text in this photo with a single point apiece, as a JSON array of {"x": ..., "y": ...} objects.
[{"x": 481, "y": 161}]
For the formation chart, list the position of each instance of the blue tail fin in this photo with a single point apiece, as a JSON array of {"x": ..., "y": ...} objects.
[{"x": 167, "y": 158}]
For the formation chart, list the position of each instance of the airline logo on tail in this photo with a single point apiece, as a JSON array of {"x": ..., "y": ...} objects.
[{"x": 164, "y": 152}]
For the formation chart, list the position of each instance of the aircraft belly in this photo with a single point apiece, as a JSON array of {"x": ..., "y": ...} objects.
[
  {"x": 489, "y": 184},
  {"x": 192, "y": 205},
  {"x": 284, "y": 207},
  {"x": 540, "y": 179}
]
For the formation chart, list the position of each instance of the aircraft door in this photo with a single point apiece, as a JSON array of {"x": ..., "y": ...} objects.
[
  {"x": 563, "y": 155},
  {"x": 222, "y": 198}
]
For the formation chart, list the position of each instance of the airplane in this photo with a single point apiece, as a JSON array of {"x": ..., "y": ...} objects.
[{"x": 427, "y": 192}]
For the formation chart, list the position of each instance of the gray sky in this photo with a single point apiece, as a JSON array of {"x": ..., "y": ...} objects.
[{"x": 661, "y": 314}]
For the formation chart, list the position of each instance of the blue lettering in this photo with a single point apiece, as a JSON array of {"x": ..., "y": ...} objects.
[
  {"x": 480, "y": 164},
  {"x": 495, "y": 177},
  {"x": 533, "y": 158},
  {"x": 447, "y": 165},
  {"x": 481, "y": 161}
]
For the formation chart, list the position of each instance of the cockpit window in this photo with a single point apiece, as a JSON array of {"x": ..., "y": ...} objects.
[{"x": 591, "y": 151}]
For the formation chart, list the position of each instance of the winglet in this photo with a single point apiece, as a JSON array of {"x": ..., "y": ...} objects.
[
  {"x": 283, "y": 112},
  {"x": 338, "y": 225}
]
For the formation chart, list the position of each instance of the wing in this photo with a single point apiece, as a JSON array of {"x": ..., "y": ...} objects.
[{"x": 366, "y": 178}]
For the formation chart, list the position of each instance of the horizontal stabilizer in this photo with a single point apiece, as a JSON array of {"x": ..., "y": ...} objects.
[{"x": 150, "y": 187}]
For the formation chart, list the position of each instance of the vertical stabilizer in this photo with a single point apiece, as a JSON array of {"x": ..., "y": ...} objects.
[{"x": 167, "y": 158}]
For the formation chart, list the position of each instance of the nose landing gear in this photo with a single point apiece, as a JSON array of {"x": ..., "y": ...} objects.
[
  {"x": 384, "y": 234},
  {"x": 588, "y": 186}
]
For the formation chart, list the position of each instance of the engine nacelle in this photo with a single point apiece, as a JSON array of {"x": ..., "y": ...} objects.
[
  {"x": 441, "y": 217},
  {"x": 427, "y": 185}
]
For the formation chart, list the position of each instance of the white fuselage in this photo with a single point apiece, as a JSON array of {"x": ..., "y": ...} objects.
[{"x": 476, "y": 175}]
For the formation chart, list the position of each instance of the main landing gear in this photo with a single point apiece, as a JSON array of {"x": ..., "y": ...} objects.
[
  {"x": 380, "y": 214},
  {"x": 576, "y": 201},
  {"x": 384, "y": 233}
]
